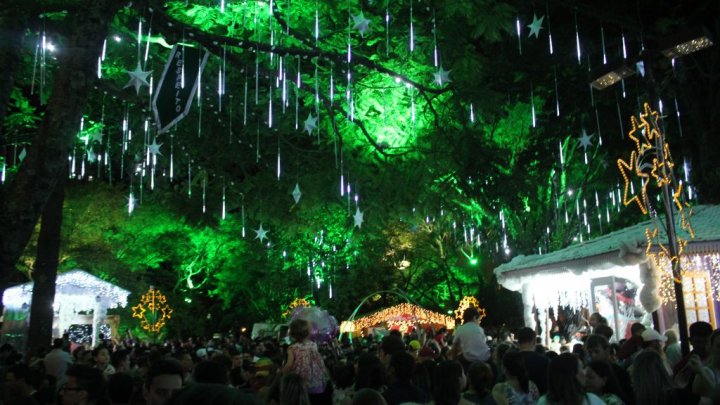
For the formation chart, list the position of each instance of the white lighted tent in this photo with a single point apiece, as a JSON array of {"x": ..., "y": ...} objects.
[
  {"x": 76, "y": 292},
  {"x": 611, "y": 274}
]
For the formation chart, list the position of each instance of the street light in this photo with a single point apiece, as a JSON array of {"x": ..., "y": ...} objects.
[{"x": 672, "y": 47}]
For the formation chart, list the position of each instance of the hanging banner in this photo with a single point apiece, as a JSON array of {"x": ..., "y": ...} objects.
[{"x": 177, "y": 86}]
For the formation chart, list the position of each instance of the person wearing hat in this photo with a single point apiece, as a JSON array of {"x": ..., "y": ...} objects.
[{"x": 653, "y": 340}]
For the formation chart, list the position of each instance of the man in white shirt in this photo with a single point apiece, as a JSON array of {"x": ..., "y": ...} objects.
[
  {"x": 469, "y": 341},
  {"x": 57, "y": 362}
]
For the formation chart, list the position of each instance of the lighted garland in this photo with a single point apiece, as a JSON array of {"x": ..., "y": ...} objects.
[
  {"x": 466, "y": 303},
  {"x": 153, "y": 311},
  {"x": 393, "y": 316},
  {"x": 644, "y": 164}
]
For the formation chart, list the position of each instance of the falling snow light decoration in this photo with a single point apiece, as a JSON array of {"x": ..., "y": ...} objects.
[{"x": 153, "y": 311}]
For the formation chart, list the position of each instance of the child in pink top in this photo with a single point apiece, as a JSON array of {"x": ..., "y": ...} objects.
[{"x": 304, "y": 358}]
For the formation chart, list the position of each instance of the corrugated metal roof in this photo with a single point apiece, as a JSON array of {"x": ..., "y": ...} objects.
[{"x": 705, "y": 222}]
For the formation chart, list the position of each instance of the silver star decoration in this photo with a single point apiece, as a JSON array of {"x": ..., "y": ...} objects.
[
  {"x": 297, "y": 193},
  {"x": 536, "y": 26},
  {"x": 310, "y": 124},
  {"x": 442, "y": 76},
  {"x": 358, "y": 217},
  {"x": 261, "y": 233},
  {"x": 138, "y": 78},
  {"x": 154, "y": 148},
  {"x": 585, "y": 140},
  {"x": 361, "y": 24},
  {"x": 91, "y": 156}
]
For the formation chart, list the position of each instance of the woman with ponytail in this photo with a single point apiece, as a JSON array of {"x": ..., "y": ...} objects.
[{"x": 517, "y": 389}]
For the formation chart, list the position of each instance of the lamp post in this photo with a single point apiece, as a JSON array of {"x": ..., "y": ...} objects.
[{"x": 676, "y": 46}]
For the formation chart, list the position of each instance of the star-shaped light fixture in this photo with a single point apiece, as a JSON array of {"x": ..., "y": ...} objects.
[
  {"x": 91, "y": 156},
  {"x": 361, "y": 24},
  {"x": 535, "y": 26},
  {"x": 138, "y": 78},
  {"x": 97, "y": 135},
  {"x": 358, "y": 217},
  {"x": 442, "y": 76},
  {"x": 310, "y": 124},
  {"x": 261, "y": 233},
  {"x": 585, "y": 140},
  {"x": 154, "y": 148}
]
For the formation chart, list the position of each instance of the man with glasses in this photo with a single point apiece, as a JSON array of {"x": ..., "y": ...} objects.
[{"x": 84, "y": 386}]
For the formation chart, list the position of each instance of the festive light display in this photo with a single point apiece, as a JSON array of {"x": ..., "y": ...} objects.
[
  {"x": 153, "y": 311},
  {"x": 296, "y": 303},
  {"x": 653, "y": 166},
  {"x": 402, "y": 316},
  {"x": 466, "y": 303}
]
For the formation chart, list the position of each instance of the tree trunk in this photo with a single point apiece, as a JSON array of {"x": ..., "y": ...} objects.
[
  {"x": 30, "y": 189},
  {"x": 44, "y": 274}
]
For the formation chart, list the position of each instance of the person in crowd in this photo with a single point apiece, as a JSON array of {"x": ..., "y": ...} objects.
[
  {"x": 343, "y": 376},
  {"x": 601, "y": 381},
  {"x": 211, "y": 372},
  {"x": 517, "y": 387},
  {"x": 672, "y": 350},
  {"x": 480, "y": 380},
  {"x": 536, "y": 364},
  {"x": 469, "y": 342},
  {"x": 402, "y": 389},
  {"x": 210, "y": 394},
  {"x": 652, "y": 383},
  {"x": 653, "y": 340},
  {"x": 163, "y": 378},
  {"x": 120, "y": 360},
  {"x": 390, "y": 345},
  {"x": 101, "y": 361},
  {"x": 566, "y": 383},
  {"x": 369, "y": 374},
  {"x": 684, "y": 375},
  {"x": 707, "y": 381},
  {"x": 449, "y": 382},
  {"x": 596, "y": 320},
  {"x": 293, "y": 390},
  {"x": 599, "y": 349},
  {"x": 632, "y": 345},
  {"x": 497, "y": 357},
  {"x": 120, "y": 389},
  {"x": 304, "y": 359},
  {"x": 18, "y": 384},
  {"x": 604, "y": 330},
  {"x": 84, "y": 386},
  {"x": 368, "y": 396},
  {"x": 57, "y": 362}
]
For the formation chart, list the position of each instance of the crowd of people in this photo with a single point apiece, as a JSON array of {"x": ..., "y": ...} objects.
[{"x": 463, "y": 368}]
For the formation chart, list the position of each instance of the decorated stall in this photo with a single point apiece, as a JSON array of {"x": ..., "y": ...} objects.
[
  {"x": 81, "y": 300},
  {"x": 620, "y": 276},
  {"x": 403, "y": 317}
]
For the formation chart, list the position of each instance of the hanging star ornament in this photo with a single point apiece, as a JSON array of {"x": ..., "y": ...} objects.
[
  {"x": 97, "y": 135},
  {"x": 91, "y": 156},
  {"x": 154, "y": 148},
  {"x": 138, "y": 78},
  {"x": 535, "y": 26},
  {"x": 361, "y": 24},
  {"x": 310, "y": 124},
  {"x": 585, "y": 140},
  {"x": 261, "y": 233},
  {"x": 358, "y": 217},
  {"x": 442, "y": 76},
  {"x": 297, "y": 193}
]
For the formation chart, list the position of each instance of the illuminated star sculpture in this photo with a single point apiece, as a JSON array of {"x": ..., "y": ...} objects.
[
  {"x": 536, "y": 26},
  {"x": 361, "y": 24},
  {"x": 442, "y": 76},
  {"x": 138, "y": 78},
  {"x": 310, "y": 124},
  {"x": 154, "y": 148},
  {"x": 585, "y": 140},
  {"x": 152, "y": 310},
  {"x": 358, "y": 217},
  {"x": 261, "y": 233}
]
